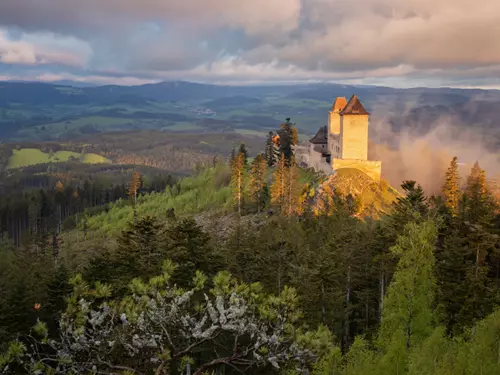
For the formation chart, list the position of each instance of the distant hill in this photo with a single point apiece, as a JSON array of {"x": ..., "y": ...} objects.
[
  {"x": 233, "y": 101},
  {"x": 66, "y": 110}
]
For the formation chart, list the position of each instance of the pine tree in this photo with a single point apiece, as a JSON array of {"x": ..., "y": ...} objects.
[
  {"x": 292, "y": 190},
  {"x": 133, "y": 187},
  {"x": 188, "y": 245},
  {"x": 258, "y": 180},
  {"x": 270, "y": 152},
  {"x": 58, "y": 288},
  {"x": 479, "y": 203},
  {"x": 408, "y": 317},
  {"x": 139, "y": 254},
  {"x": 237, "y": 180},
  {"x": 288, "y": 139},
  {"x": 451, "y": 188},
  {"x": 412, "y": 207},
  {"x": 464, "y": 274},
  {"x": 278, "y": 187},
  {"x": 243, "y": 150},
  {"x": 232, "y": 156},
  {"x": 60, "y": 201}
]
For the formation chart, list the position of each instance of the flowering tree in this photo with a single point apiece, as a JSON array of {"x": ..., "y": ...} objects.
[{"x": 159, "y": 328}]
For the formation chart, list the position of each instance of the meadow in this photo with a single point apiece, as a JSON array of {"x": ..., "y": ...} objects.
[{"x": 32, "y": 156}]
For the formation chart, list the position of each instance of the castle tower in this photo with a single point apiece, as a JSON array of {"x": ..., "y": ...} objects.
[
  {"x": 344, "y": 142},
  {"x": 334, "y": 115},
  {"x": 334, "y": 126},
  {"x": 354, "y": 130}
]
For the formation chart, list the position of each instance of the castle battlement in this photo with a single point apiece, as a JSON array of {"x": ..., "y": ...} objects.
[{"x": 344, "y": 141}]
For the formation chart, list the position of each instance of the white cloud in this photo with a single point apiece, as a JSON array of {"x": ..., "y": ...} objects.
[
  {"x": 41, "y": 49},
  {"x": 418, "y": 41}
]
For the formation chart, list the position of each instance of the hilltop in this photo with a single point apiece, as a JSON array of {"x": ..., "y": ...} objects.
[{"x": 208, "y": 194}]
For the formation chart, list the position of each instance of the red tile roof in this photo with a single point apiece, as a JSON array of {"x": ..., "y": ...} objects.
[
  {"x": 339, "y": 104},
  {"x": 354, "y": 107}
]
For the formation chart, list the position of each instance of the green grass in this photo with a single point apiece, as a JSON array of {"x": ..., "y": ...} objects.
[
  {"x": 209, "y": 191},
  {"x": 33, "y": 156}
]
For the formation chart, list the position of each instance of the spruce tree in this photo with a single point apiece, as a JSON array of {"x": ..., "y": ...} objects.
[
  {"x": 238, "y": 180},
  {"x": 451, "y": 188},
  {"x": 278, "y": 187},
  {"x": 243, "y": 150},
  {"x": 232, "y": 156},
  {"x": 188, "y": 245},
  {"x": 58, "y": 288},
  {"x": 140, "y": 252},
  {"x": 479, "y": 203},
  {"x": 465, "y": 258},
  {"x": 288, "y": 139},
  {"x": 408, "y": 317},
  {"x": 292, "y": 204},
  {"x": 133, "y": 187},
  {"x": 270, "y": 152},
  {"x": 258, "y": 181}
]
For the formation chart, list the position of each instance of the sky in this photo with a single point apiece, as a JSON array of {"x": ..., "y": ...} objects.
[{"x": 399, "y": 43}]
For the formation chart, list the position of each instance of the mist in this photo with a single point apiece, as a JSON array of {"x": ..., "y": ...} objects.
[{"x": 425, "y": 157}]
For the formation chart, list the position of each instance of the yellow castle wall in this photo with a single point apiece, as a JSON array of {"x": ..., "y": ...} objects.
[
  {"x": 354, "y": 137},
  {"x": 334, "y": 122},
  {"x": 372, "y": 168}
]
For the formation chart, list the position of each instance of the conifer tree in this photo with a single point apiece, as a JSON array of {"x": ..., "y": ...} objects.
[
  {"x": 139, "y": 252},
  {"x": 479, "y": 203},
  {"x": 243, "y": 150},
  {"x": 292, "y": 190},
  {"x": 59, "y": 200},
  {"x": 412, "y": 207},
  {"x": 133, "y": 187},
  {"x": 237, "y": 180},
  {"x": 187, "y": 244},
  {"x": 233, "y": 155},
  {"x": 278, "y": 187},
  {"x": 408, "y": 317},
  {"x": 258, "y": 180},
  {"x": 288, "y": 138},
  {"x": 451, "y": 189},
  {"x": 270, "y": 152}
]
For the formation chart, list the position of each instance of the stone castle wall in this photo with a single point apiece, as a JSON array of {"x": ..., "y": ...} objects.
[
  {"x": 372, "y": 168},
  {"x": 354, "y": 137}
]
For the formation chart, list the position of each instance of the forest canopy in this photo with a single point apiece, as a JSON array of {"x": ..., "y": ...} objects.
[{"x": 252, "y": 265}]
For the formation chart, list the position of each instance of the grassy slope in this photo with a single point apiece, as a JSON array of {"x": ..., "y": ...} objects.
[
  {"x": 355, "y": 182},
  {"x": 33, "y": 156},
  {"x": 209, "y": 191}
]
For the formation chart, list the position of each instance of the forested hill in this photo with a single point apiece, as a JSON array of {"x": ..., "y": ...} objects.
[
  {"x": 252, "y": 265},
  {"x": 31, "y": 111}
]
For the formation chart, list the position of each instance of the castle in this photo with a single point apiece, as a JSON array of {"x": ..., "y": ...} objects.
[{"x": 343, "y": 143}]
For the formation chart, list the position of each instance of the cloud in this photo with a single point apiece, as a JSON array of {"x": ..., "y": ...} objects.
[
  {"x": 424, "y": 42},
  {"x": 91, "y": 78},
  {"x": 41, "y": 49}
]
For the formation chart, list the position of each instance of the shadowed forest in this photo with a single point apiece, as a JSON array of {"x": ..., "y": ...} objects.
[{"x": 251, "y": 264}]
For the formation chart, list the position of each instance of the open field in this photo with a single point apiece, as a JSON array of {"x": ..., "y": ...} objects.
[{"x": 33, "y": 156}]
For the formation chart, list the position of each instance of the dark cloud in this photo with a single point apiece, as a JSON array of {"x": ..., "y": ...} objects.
[{"x": 444, "y": 41}]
